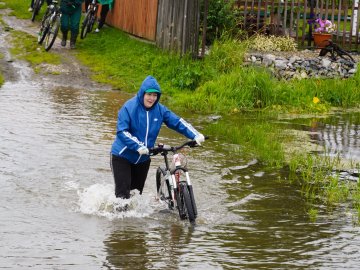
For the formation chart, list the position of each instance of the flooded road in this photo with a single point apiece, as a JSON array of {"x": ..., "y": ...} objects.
[{"x": 56, "y": 198}]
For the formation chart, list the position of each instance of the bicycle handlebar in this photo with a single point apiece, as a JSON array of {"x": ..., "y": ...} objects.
[{"x": 161, "y": 148}]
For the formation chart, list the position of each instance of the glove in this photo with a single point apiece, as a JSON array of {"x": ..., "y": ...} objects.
[
  {"x": 199, "y": 139},
  {"x": 143, "y": 150}
]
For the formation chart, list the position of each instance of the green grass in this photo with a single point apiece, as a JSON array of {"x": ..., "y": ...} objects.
[
  {"x": 19, "y": 8},
  {"x": 255, "y": 135},
  {"x": 26, "y": 48}
]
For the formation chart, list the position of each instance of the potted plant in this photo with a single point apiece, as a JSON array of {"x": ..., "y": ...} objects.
[{"x": 323, "y": 32}]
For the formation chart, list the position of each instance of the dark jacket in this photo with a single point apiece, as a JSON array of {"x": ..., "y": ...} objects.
[{"x": 69, "y": 6}]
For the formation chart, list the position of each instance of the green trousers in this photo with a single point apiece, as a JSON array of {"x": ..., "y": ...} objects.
[{"x": 71, "y": 21}]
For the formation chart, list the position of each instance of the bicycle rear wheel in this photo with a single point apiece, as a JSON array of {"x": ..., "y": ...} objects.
[
  {"x": 163, "y": 188},
  {"x": 52, "y": 33},
  {"x": 187, "y": 202},
  {"x": 36, "y": 8}
]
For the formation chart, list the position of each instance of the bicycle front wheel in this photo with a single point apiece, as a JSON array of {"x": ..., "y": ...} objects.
[
  {"x": 187, "y": 202},
  {"x": 52, "y": 33},
  {"x": 43, "y": 30},
  {"x": 84, "y": 26}
]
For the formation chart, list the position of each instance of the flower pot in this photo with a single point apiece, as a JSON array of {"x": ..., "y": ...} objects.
[{"x": 321, "y": 39}]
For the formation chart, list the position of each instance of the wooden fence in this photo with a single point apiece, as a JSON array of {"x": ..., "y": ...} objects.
[
  {"x": 137, "y": 17},
  {"x": 178, "y": 25},
  {"x": 296, "y": 19},
  {"x": 171, "y": 24}
]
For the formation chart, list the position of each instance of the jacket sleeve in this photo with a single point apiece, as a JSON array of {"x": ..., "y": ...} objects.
[
  {"x": 179, "y": 124},
  {"x": 123, "y": 127}
]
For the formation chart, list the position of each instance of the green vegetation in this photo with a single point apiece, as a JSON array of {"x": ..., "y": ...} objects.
[
  {"x": 19, "y": 8},
  {"x": 26, "y": 47},
  {"x": 321, "y": 185}
]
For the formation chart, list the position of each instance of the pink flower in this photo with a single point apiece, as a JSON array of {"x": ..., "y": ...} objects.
[{"x": 324, "y": 26}]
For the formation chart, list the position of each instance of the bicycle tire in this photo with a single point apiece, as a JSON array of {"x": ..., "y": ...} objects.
[
  {"x": 43, "y": 30},
  {"x": 84, "y": 27},
  {"x": 187, "y": 202},
  {"x": 52, "y": 33},
  {"x": 163, "y": 188},
  {"x": 36, "y": 8},
  {"x": 92, "y": 22},
  {"x": 192, "y": 198},
  {"x": 346, "y": 56}
]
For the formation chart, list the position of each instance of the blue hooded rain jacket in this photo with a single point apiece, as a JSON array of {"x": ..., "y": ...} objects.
[{"x": 138, "y": 126}]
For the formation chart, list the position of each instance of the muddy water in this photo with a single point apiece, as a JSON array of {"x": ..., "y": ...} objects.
[{"x": 56, "y": 198}]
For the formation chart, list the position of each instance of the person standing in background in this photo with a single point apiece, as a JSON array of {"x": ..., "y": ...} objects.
[
  {"x": 70, "y": 20},
  {"x": 106, "y": 5}
]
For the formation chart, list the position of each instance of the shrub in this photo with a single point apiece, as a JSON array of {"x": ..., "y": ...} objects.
[{"x": 272, "y": 43}]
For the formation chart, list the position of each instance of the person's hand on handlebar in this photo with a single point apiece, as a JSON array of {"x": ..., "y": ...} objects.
[
  {"x": 143, "y": 150},
  {"x": 199, "y": 139}
]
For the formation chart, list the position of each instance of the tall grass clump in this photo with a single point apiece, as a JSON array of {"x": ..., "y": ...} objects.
[
  {"x": 241, "y": 89},
  {"x": 259, "y": 138},
  {"x": 320, "y": 183}
]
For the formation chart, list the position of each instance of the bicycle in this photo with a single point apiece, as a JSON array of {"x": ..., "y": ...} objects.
[
  {"x": 173, "y": 183},
  {"x": 335, "y": 52},
  {"x": 50, "y": 25},
  {"x": 36, "y": 8},
  {"x": 90, "y": 19}
]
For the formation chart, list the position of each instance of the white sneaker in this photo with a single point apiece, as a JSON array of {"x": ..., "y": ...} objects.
[
  {"x": 30, "y": 9},
  {"x": 97, "y": 30}
]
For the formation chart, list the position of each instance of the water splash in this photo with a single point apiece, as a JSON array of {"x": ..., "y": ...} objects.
[{"x": 99, "y": 200}]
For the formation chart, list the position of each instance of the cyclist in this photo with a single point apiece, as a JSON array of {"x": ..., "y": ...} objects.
[
  {"x": 70, "y": 20},
  {"x": 138, "y": 125}
]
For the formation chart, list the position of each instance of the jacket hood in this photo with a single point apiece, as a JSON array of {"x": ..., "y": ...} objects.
[{"x": 149, "y": 83}]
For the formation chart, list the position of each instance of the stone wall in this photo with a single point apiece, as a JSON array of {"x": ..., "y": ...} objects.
[{"x": 302, "y": 65}]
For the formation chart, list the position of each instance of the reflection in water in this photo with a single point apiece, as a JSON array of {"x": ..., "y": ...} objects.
[
  {"x": 148, "y": 248},
  {"x": 339, "y": 134}
]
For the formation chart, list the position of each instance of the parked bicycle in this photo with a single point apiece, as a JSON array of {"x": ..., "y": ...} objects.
[
  {"x": 50, "y": 25},
  {"x": 335, "y": 52},
  {"x": 90, "y": 19},
  {"x": 173, "y": 183}
]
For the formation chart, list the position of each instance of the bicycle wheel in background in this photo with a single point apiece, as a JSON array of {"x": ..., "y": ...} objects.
[
  {"x": 52, "y": 33},
  {"x": 345, "y": 55},
  {"x": 36, "y": 8},
  {"x": 84, "y": 26},
  {"x": 187, "y": 202}
]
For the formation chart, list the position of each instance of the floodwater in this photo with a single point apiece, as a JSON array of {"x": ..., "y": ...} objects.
[{"x": 56, "y": 197}]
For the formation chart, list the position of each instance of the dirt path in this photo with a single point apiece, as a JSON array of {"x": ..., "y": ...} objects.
[{"x": 70, "y": 73}]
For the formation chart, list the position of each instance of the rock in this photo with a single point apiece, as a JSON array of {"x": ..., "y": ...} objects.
[{"x": 303, "y": 64}]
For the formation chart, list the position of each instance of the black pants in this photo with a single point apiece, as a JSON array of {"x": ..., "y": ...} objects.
[
  {"x": 103, "y": 13},
  {"x": 128, "y": 176}
]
